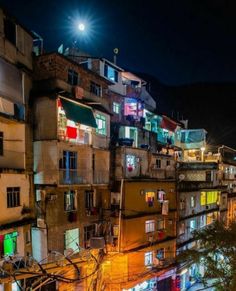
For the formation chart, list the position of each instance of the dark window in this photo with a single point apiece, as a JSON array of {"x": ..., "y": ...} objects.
[
  {"x": 72, "y": 77},
  {"x": 1, "y": 143},
  {"x": 95, "y": 89},
  {"x": 168, "y": 163},
  {"x": 69, "y": 160},
  {"x": 89, "y": 199},
  {"x": 10, "y": 30},
  {"x": 208, "y": 176},
  {"x": 13, "y": 197},
  {"x": 69, "y": 201},
  {"x": 89, "y": 231},
  {"x": 158, "y": 163}
]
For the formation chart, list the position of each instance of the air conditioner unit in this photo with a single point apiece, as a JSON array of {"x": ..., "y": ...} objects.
[
  {"x": 41, "y": 223},
  {"x": 97, "y": 242},
  {"x": 150, "y": 238},
  {"x": 40, "y": 195},
  {"x": 52, "y": 197}
]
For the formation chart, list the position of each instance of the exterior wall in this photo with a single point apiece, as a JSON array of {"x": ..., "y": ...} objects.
[
  {"x": 58, "y": 220},
  {"x": 46, "y": 162},
  {"x": 134, "y": 191},
  {"x": 133, "y": 237},
  {"x": 23, "y": 248},
  {"x": 13, "y": 180},
  {"x": 166, "y": 169},
  {"x": 13, "y": 145},
  {"x": 44, "y": 70},
  {"x": 45, "y": 119},
  {"x": 101, "y": 166},
  {"x": 142, "y": 162},
  {"x": 22, "y": 52}
]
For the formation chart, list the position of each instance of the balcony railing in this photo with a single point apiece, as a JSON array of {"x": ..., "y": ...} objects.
[
  {"x": 79, "y": 176},
  {"x": 101, "y": 177},
  {"x": 74, "y": 176}
]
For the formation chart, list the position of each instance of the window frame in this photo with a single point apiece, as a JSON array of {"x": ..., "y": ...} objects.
[
  {"x": 13, "y": 197},
  {"x": 72, "y": 205},
  {"x": 73, "y": 77},
  {"x": 95, "y": 89},
  {"x": 116, "y": 107},
  {"x": 149, "y": 226},
  {"x": 148, "y": 258},
  {"x": 101, "y": 121}
]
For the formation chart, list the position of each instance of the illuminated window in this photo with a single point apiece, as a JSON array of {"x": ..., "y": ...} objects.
[
  {"x": 150, "y": 197},
  {"x": 110, "y": 73},
  {"x": 69, "y": 200},
  {"x": 161, "y": 195},
  {"x": 72, "y": 77},
  {"x": 116, "y": 107},
  {"x": 10, "y": 243},
  {"x": 211, "y": 217},
  {"x": 149, "y": 226},
  {"x": 192, "y": 225},
  {"x": 192, "y": 201},
  {"x": 101, "y": 124},
  {"x": 148, "y": 258},
  {"x": 203, "y": 198},
  {"x": 13, "y": 197},
  {"x": 160, "y": 224},
  {"x": 95, "y": 89},
  {"x": 202, "y": 220},
  {"x": 72, "y": 239},
  {"x": 160, "y": 254},
  {"x": 1, "y": 143},
  {"x": 131, "y": 162}
]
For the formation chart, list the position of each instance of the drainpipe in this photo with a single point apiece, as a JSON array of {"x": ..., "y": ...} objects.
[{"x": 120, "y": 212}]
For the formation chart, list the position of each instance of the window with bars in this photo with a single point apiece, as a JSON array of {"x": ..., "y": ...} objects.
[
  {"x": 13, "y": 197},
  {"x": 89, "y": 199},
  {"x": 69, "y": 160},
  {"x": 116, "y": 107}
]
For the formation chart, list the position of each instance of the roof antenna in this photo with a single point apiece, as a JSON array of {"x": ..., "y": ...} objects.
[{"x": 115, "y": 51}]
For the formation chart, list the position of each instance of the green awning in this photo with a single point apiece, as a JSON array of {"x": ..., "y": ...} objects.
[{"x": 78, "y": 113}]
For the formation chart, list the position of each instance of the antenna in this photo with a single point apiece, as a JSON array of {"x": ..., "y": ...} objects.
[{"x": 115, "y": 51}]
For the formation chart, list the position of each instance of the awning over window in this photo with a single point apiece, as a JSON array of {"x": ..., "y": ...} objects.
[
  {"x": 168, "y": 123},
  {"x": 78, "y": 113}
]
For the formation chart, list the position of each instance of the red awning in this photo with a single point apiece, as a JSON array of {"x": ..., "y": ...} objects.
[{"x": 168, "y": 123}]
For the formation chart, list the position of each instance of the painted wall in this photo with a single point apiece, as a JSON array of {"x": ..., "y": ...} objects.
[
  {"x": 13, "y": 145},
  {"x": 13, "y": 180}
]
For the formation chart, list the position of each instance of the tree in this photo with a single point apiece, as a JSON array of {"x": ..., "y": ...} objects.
[{"x": 216, "y": 251}]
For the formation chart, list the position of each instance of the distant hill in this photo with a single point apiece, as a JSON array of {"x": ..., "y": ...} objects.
[{"x": 206, "y": 105}]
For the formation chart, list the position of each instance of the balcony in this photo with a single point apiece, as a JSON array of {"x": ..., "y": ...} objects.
[
  {"x": 75, "y": 176},
  {"x": 101, "y": 177}
]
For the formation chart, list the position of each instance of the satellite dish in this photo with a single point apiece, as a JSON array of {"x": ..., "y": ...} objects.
[{"x": 181, "y": 177}]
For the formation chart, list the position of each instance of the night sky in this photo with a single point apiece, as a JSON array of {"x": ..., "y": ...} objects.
[{"x": 177, "y": 42}]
